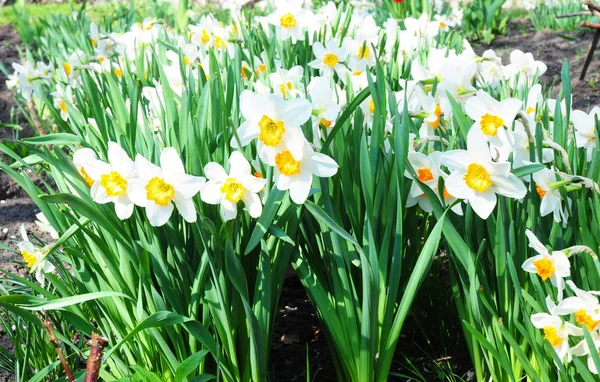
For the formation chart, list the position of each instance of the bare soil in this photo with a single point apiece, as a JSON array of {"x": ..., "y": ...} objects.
[{"x": 552, "y": 48}]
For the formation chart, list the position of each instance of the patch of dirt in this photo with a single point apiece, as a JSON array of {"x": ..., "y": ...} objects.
[
  {"x": 15, "y": 207},
  {"x": 297, "y": 328},
  {"x": 552, "y": 48}
]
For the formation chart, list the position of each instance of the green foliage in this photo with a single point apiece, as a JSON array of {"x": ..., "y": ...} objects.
[{"x": 484, "y": 19}]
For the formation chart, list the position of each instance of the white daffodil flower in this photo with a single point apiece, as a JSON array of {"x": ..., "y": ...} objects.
[
  {"x": 287, "y": 83},
  {"x": 490, "y": 68},
  {"x": 584, "y": 305},
  {"x": 275, "y": 122},
  {"x": 43, "y": 223},
  {"x": 422, "y": 28},
  {"x": 585, "y": 130},
  {"x": 551, "y": 199},
  {"x": 477, "y": 179},
  {"x": 428, "y": 171},
  {"x": 329, "y": 59},
  {"x": 158, "y": 188},
  {"x": 111, "y": 180},
  {"x": 296, "y": 174},
  {"x": 228, "y": 189},
  {"x": 325, "y": 109},
  {"x": 493, "y": 118},
  {"x": 82, "y": 157},
  {"x": 520, "y": 147},
  {"x": 524, "y": 67},
  {"x": 34, "y": 257},
  {"x": 61, "y": 97},
  {"x": 556, "y": 331},
  {"x": 582, "y": 349},
  {"x": 554, "y": 266},
  {"x": 361, "y": 53},
  {"x": 431, "y": 113},
  {"x": 290, "y": 20}
]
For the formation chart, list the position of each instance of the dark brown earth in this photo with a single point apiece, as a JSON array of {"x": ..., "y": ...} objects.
[
  {"x": 552, "y": 48},
  {"x": 15, "y": 207}
]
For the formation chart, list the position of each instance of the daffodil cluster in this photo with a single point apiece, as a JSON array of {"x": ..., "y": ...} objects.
[{"x": 568, "y": 317}]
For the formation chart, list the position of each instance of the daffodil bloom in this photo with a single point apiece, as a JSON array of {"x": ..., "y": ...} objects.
[
  {"x": 554, "y": 266},
  {"x": 584, "y": 305},
  {"x": 431, "y": 113},
  {"x": 158, "y": 188},
  {"x": 325, "y": 109},
  {"x": 428, "y": 171},
  {"x": 422, "y": 28},
  {"x": 290, "y": 20},
  {"x": 492, "y": 117},
  {"x": 556, "y": 331},
  {"x": 490, "y": 68},
  {"x": 43, "y": 224},
  {"x": 228, "y": 189},
  {"x": 585, "y": 130},
  {"x": 583, "y": 349},
  {"x": 275, "y": 122},
  {"x": 329, "y": 59},
  {"x": 61, "y": 97},
  {"x": 551, "y": 199},
  {"x": 295, "y": 175},
  {"x": 476, "y": 178},
  {"x": 519, "y": 147},
  {"x": 361, "y": 53},
  {"x": 523, "y": 68},
  {"x": 287, "y": 83},
  {"x": 81, "y": 158},
  {"x": 34, "y": 257},
  {"x": 111, "y": 180}
]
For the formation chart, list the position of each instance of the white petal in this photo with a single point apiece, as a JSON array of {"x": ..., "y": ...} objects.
[
  {"x": 296, "y": 112},
  {"x": 535, "y": 243},
  {"x": 456, "y": 186},
  {"x": 96, "y": 168},
  {"x": 186, "y": 208},
  {"x": 238, "y": 165},
  {"x": 300, "y": 187},
  {"x": 228, "y": 210},
  {"x": 569, "y": 305},
  {"x": 252, "y": 106},
  {"x": 186, "y": 185},
  {"x": 159, "y": 215},
  {"x": 117, "y": 156},
  {"x": 321, "y": 165},
  {"x": 509, "y": 186},
  {"x": 253, "y": 204},
  {"x": 457, "y": 159},
  {"x": 170, "y": 161},
  {"x": 483, "y": 203},
  {"x": 216, "y": 172},
  {"x": 211, "y": 192},
  {"x": 136, "y": 191},
  {"x": 540, "y": 320},
  {"x": 247, "y": 131},
  {"x": 145, "y": 169},
  {"x": 98, "y": 193},
  {"x": 123, "y": 208}
]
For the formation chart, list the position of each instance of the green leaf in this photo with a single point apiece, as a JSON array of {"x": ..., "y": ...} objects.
[
  {"x": 64, "y": 302},
  {"x": 41, "y": 375},
  {"x": 527, "y": 169},
  {"x": 189, "y": 365},
  {"x": 325, "y": 219},
  {"x": 55, "y": 139}
]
